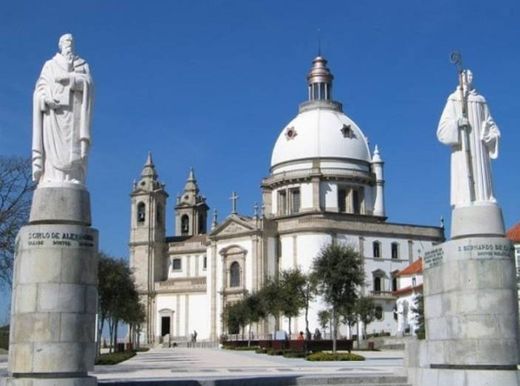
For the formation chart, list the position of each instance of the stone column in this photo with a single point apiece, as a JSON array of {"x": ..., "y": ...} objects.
[
  {"x": 213, "y": 292},
  {"x": 54, "y": 296},
  {"x": 379, "y": 202}
]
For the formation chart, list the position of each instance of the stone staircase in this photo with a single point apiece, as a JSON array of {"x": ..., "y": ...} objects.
[
  {"x": 388, "y": 380},
  {"x": 182, "y": 342}
]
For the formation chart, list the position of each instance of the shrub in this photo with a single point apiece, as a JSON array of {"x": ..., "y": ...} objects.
[
  {"x": 240, "y": 348},
  {"x": 293, "y": 354},
  {"x": 114, "y": 358},
  {"x": 326, "y": 356},
  {"x": 274, "y": 351},
  {"x": 261, "y": 350}
]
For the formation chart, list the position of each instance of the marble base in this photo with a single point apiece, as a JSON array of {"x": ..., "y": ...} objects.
[
  {"x": 54, "y": 304},
  {"x": 70, "y": 204},
  {"x": 477, "y": 220}
]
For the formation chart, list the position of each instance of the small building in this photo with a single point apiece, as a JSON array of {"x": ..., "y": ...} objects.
[{"x": 409, "y": 287}]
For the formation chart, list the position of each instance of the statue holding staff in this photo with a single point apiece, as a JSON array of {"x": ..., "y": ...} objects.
[
  {"x": 467, "y": 126},
  {"x": 62, "y": 109}
]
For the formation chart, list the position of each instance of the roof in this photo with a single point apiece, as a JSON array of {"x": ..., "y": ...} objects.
[
  {"x": 408, "y": 290},
  {"x": 413, "y": 269},
  {"x": 320, "y": 133},
  {"x": 320, "y": 130},
  {"x": 513, "y": 233}
]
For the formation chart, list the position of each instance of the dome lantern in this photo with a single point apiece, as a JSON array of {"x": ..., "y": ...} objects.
[{"x": 319, "y": 80}]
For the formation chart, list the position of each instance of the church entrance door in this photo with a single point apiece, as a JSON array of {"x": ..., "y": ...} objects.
[{"x": 165, "y": 325}]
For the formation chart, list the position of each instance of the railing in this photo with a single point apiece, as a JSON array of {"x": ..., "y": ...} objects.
[{"x": 382, "y": 294}]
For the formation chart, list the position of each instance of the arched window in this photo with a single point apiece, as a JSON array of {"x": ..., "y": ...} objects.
[
  {"x": 376, "y": 247},
  {"x": 185, "y": 225},
  {"x": 141, "y": 213},
  {"x": 234, "y": 275}
]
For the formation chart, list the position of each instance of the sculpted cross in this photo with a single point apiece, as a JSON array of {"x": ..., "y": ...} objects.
[{"x": 234, "y": 198}]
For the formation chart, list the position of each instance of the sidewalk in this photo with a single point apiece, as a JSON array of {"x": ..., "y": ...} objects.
[
  {"x": 204, "y": 364},
  {"x": 213, "y": 364}
]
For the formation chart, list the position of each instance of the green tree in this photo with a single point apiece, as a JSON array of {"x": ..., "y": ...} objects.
[
  {"x": 324, "y": 320},
  {"x": 117, "y": 295},
  {"x": 366, "y": 309},
  {"x": 418, "y": 310},
  {"x": 254, "y": 311},
  {"x": 308, "y": 294},
  {"x": 16, "y": 188},
  {"x": 339, "y": 272},
  {"x": 271, "y": 299},
  {"x": 291, "y": 294},
  {"x": 235, "y": 317},
  {"x": 349, "y": 317},
  {"x": 135, "y": 318}
]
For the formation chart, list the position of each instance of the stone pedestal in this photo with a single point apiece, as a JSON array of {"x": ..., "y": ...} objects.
[
  {"x": 54, "y": 300},
  {"x": 477, "y": 220},
  {"x": 471, "y": 308}
]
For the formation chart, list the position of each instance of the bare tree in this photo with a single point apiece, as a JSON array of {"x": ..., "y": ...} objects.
[{"x": 16, "y": 187}]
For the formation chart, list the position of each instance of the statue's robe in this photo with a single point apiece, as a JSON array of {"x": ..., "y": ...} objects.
[
  {"x": 483, "y": 135},
  {"x": 57, "y": 133}
]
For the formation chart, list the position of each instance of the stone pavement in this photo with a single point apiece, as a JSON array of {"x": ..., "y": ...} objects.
[
  {"x": 200, "y": 364},
  {"x": 183, "y": 364}
]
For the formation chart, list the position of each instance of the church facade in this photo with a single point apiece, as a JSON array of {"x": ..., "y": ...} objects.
[{"x": 324, "y": 185}]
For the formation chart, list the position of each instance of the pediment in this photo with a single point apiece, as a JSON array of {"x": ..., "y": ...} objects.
[{"x": 232, "y": 225}]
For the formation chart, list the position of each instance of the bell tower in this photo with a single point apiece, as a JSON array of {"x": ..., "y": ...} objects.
[
  {"x": 147, "y": 238},
  {"x": 191, "y": 210}
]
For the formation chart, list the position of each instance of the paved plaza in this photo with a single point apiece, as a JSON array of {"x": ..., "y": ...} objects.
[{"x": 180, "y": 364}]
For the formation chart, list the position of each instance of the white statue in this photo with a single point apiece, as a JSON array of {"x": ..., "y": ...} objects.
[
  {"x": 62, "y": 109},
  {"x": 467, "y": 126}
]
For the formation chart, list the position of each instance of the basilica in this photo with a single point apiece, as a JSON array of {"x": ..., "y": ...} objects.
[{"x": 324, "y": 184}]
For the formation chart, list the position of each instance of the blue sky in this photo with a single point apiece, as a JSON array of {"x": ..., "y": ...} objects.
[{"x": 210, "y": 84}]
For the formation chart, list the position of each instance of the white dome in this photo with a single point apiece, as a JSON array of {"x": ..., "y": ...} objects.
[{"x": 320, "y": 133}]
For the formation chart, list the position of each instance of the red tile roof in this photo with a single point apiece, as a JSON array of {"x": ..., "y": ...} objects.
[
  {"x": 513, "y": 234},
  {"x": 413, "y": 269},
  {"x": 408, "y": 290}
]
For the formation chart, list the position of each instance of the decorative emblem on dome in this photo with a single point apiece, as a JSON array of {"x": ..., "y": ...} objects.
[
  {"x": 347, "y": 132},
  {"x": 290, "y": 133}
]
